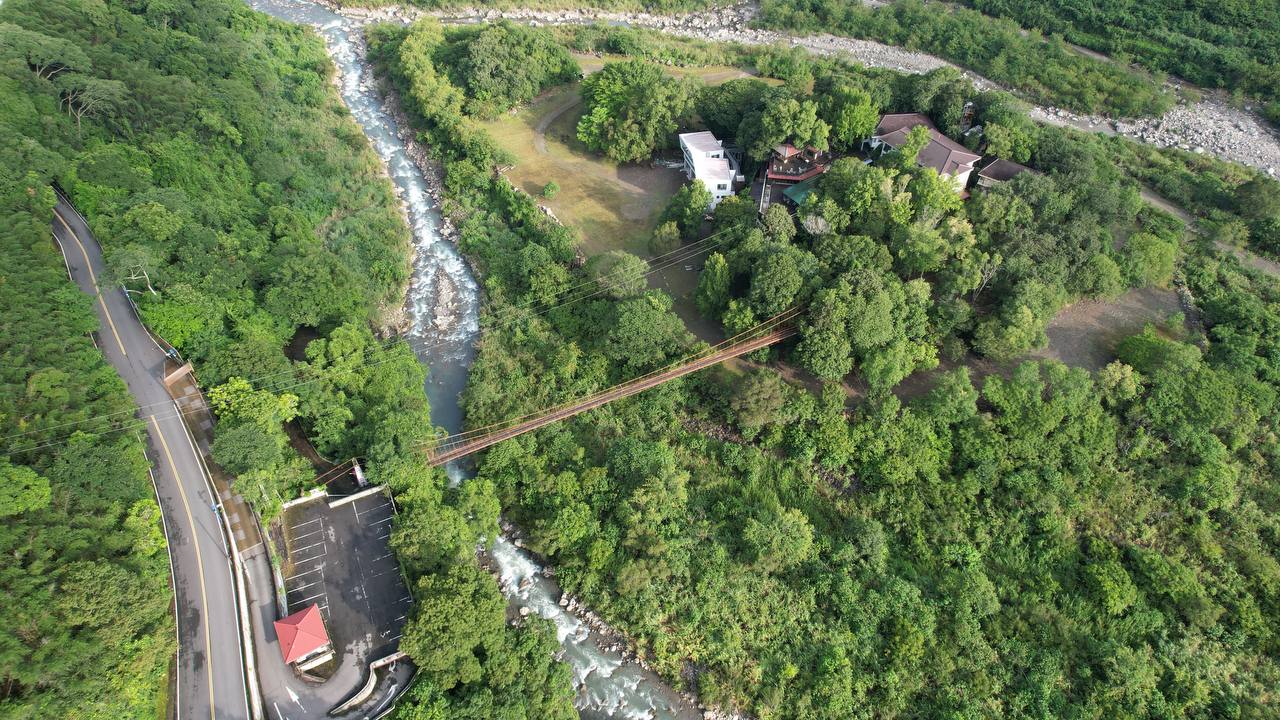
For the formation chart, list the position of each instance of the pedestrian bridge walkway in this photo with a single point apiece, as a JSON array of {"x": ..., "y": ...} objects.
[{"x": 773, "y": 330}]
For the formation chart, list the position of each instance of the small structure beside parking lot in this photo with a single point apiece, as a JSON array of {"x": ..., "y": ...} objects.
[{"x": 304, "y": 642}]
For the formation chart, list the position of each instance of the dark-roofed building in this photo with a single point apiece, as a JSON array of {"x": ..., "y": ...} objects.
[
  {"x": 798, "y": 193},
  {"x": 948, "y": 157},
  {"x": 1000, "y": 171},
  {"x": 788, "y": 166}
]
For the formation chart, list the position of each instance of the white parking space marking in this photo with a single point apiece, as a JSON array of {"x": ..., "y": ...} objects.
[
  {"x": 306, "y": 535},
  {"x": 304, "y": 549},
  {"x": 318, "y": 568},
  {"x": 301, "y": 524},
  {"x": 388, "y": 519},
  {"x": 316, "y": 557},
  {"x": 313, "y": 597},
  {"x": 304, "y": 587}
]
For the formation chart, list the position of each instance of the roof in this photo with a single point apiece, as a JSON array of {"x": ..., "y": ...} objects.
[
  {"x": 785, "y": 150},
  {"x": 704, "y": 141},
  {"x": 1003, "y": 170},
  {"x": 902, "y": 121},
  {"x": 301, "y": 634},
  {"x": 942, "y": 153},
  {"x": 714, "y": 168},
  {"x": 799, "y": 192}
]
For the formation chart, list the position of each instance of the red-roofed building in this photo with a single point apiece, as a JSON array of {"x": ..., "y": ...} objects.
[
  {"x": 791, "y": 164},
  {"x": 948, "y": 157},
  {"x": 303, "y": 639}
]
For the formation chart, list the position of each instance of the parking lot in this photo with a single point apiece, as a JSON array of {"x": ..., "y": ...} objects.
[{"x": 337, "y": 556}]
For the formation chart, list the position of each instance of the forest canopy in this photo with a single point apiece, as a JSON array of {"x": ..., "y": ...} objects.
[
  {"x": 1041, "y": 68},
  {"x": 231, "y": 190},
  {"x": 1231, "y": 44},
  {"x": 1044, "y": 543}
]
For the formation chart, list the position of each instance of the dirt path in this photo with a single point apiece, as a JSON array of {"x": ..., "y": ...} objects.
[
  {"x": 569, "y": 102},
  {"x": 1247, "y": 258}
]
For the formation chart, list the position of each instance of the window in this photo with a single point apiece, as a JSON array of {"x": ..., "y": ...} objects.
[{"x": 722, "y": 186}]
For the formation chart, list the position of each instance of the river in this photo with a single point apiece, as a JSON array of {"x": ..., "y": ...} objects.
[{"x": 443, "y": 304}]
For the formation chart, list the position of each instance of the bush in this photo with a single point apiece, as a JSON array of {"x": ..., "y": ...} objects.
[
  {"x": 665, "y": 238},
  {"x": 550, "y": 189}
]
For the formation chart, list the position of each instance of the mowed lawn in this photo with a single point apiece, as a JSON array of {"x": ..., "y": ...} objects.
[{"x": 611, "y": 206}]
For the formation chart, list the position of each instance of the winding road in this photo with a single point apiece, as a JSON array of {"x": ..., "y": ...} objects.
[{"x": 210, "y": 672}]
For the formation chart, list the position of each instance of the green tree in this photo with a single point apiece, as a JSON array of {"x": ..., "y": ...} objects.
[
  {"x": 687, "y": 208},
  {"x": 645, "y": 332},
  {"x": 666, "y": 238},
  {"x": 738, "y": 318},
  {"x": 1010, "y": 143},
  {"x": 723, "y": 106},
  {"x": 783, "y": 540},
  {"x": 904, "y": 158},
  {"x": 238, "y": 403},
  {"x": 621, "y": 274},
  {"x": 758, "y": 398},
  {"x": 775, "y": 284},
  {"x": 21, "y": 490},
  {"x": 240, "y": 449},
  {"x": 83, "y": 96},
  {"x": 824, "y": 347},
  {"x": 851, "y": 114},
  {"x": 1113, "y": 586},
  {"x": 632, "y": 107},
  {"x": 505, "y": 64},
  {"x": 1149, "y": 260},
  {"x": 712, "y": 295},
  {"x": 778, "y": 225},
  {"x": 457, "y": 614},
  {"x": 1103, "y": 278},
  {"x": 786, "y": 119}
]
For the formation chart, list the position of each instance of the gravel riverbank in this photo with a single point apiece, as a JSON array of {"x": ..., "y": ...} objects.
[{"x": 1209, "y": 125}]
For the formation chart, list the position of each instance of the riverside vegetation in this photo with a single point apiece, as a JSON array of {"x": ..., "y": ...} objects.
[
  {"x": 1053, "y": 543},
  {"x": 208, "y": 150},
  {"x": 1043, "y": 68},
  {"x": 1048, "y": 543},
  {"x": 1231, "y": 45}
]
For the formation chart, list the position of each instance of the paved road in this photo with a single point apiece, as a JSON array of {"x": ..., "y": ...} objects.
[
  {"x": 211, "y": 681},
  {"x": 357, "y": 608}
]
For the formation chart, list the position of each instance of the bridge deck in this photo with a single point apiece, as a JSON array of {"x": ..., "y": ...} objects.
[{"x": 447, "y": 452}]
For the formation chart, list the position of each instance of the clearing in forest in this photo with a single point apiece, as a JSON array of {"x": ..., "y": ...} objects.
[{"x": 612, "y": 206}]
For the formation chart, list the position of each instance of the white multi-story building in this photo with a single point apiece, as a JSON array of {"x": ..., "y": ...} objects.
[{"x": 706, "y": 159}]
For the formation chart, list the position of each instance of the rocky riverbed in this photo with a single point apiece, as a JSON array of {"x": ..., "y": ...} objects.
[{"x": 1210, "y": 125}]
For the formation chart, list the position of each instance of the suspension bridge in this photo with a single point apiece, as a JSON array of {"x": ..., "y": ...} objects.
[{"x": 775, "y": 329}]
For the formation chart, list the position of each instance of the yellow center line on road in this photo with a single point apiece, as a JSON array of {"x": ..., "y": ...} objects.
[
  {"x": 94, "y": 279},
  {"x": 204, "y": 603}
]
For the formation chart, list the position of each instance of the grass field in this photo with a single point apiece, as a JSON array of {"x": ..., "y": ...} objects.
[{"x": 611, "y": 206}]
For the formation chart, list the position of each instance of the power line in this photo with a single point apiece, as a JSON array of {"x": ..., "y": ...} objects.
[
  {"x": 463, "y": 437},
  {"x": 672, "y": 258},
  {"x": 459, "y": 440}
]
